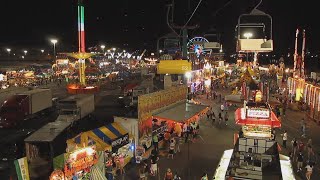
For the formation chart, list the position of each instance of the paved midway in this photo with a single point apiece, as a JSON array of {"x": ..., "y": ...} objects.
[{"x": 204, "y": 155}]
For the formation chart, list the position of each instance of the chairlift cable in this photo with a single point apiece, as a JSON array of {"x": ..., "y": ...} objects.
[
  {"x": 226, "y": 4},
  {"x": 194, "y": 11}
]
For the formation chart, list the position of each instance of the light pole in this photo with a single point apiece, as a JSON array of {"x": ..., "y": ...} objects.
[
  {"x": 42, "y": 51},
  {"x": 54, "y": 41},
  {"x": 102, "y": 47},
  {"x": 247, "y": 35},
  {"x": 8, "y": 50},
  {"x": 25, "y": 52}
]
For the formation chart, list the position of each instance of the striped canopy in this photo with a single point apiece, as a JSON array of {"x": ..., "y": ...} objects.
[{"x": 101, "y": 137}]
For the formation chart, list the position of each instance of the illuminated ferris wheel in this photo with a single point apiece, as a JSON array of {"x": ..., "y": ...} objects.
[{"x": 196, "y": 45}]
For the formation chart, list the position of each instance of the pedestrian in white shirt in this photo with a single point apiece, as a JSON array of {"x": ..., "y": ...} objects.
[
  {"x": 222, "y": 107},
  {"x": 309, "y": 169},
  {"x": 284, "y": 139}
]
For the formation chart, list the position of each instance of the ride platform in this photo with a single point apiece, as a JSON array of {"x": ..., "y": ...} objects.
[{"x": 79, "y": 89}]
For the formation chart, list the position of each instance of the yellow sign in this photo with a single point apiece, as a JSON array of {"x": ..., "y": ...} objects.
[{"x": 173, "y": 67}]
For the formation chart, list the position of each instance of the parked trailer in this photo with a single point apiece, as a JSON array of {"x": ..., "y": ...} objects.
[
  {"x": 76, "y": 107},
  {"x": 24, "y": 106}
]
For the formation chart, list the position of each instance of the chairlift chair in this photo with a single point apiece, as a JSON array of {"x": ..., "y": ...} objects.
[{"x": 254, "y": 44}]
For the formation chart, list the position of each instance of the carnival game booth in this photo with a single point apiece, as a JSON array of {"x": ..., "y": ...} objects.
[
  {"x": 180, "y": 113},
  {"x": 81, "y": 163},
  {"x": 112, "y": 138}
]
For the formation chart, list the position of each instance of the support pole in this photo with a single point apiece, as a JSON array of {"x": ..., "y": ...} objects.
[
  {"x": 184, "y": 43},
  {"x": 303, "y": 54},
  {"x": 295, "y": 54}
]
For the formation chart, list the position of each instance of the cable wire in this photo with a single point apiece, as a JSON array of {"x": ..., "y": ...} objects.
[
  {"x": 169, "y": 23},
  {"x": 194, "y": 11},
  {"x": 226, "y": 4}
]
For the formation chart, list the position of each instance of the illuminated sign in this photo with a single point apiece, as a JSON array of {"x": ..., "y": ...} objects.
[
  {"x": 258, "y": 113},
  {"x": 80, "y": 159},
  {"x": 121, "y": 141}
]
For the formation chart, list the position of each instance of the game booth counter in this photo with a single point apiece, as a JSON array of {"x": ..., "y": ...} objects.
[
  {"x": 112, "y": 138},
  {"x": 82, "y": 163},
  {"x": 180, "y": 113}
]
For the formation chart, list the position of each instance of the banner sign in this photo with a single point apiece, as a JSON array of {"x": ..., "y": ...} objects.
[
  {"x": 160, "y": 130},
  {"x": 258, "y": 113},
  {"x": 22, "y": 168},
  {"x": 119, "y": 142}
]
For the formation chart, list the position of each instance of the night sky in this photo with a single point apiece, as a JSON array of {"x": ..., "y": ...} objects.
[{"x": 139, "y": 23}]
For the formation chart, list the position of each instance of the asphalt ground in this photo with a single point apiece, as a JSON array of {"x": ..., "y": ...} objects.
[{"x": 204, "y": 154}]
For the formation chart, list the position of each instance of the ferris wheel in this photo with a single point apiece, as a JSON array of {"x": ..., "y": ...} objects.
[{"x": 196, "y": 45}]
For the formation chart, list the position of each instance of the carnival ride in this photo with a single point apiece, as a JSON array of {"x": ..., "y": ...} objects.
[
  {"x": 81, "y": 55},
  {"x": 298, "y": 66},
  {"x": 196, "y": 46}
]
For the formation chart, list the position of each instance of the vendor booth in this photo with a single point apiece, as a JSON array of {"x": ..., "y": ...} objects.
[
  {"x": 82, "y": 163},
  {"x": 113, "y": 138},
  {"x": 256, "y": 116},
  {"x": 150, "y": 104},
  {"x": 181, "y": 113}
]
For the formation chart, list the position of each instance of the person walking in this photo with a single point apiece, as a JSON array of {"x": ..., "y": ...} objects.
[
  {"x": 168, "y": 175},
  {"x": 143, "y": 172},
  {"x": 300, "y": 161},
  {"x": 309, "y": 147},
  {"x": 155, "y": 142},
  {"x": 121, "y": 164},
  {"x": 154, "y": 165},
  {"x": 226, "y": 118},
  {"x": 222, "y": 107},
  {"x": 309, "y": 169},
  {"x": 213, "y": 118},
  {"x": 303, "y": 129},
  {"x": 171, "y": 148},
  {"x": 284, "y": 139},
  {"x": 208, "y": 114},
  {"x": 274, "y": 134},
  {"x": 294, "y": 149},
  {"x": 220, "y": 118}
]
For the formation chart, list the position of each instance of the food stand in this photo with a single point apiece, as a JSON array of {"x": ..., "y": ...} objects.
[
  {"x": 82, "y": 163},
  {"x": 79, "y": 162},
  {"x": 255, "y": 153},
  {"x": 112, "y": 138}
]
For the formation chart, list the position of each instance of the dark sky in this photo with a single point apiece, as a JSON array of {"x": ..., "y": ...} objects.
[{"x": 139, "y": 23}]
